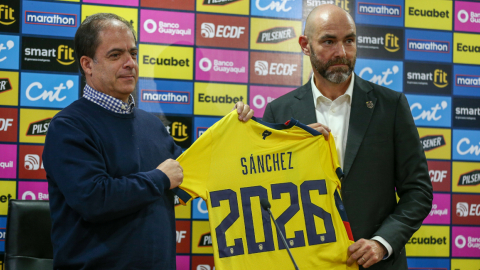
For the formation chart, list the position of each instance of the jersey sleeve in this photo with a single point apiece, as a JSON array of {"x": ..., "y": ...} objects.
[{"x": 196, "y": 167}]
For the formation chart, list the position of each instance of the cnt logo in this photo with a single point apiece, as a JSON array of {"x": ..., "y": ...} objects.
[
  {"x": 379, "y": 9},
  {"x": 222, "y": 31},
  {"x": 38, "y": 128},
  {"x": 178, "y": 131},
  {"x": 165, "y": 96},
  {"x": 51, "y": 95},
  {"x": 464, "y": 210},
  {"x": 278, "y": 6},
  {"x": 380, "y": 79},
  {"x": 32, "y": 162},
  {"x": 464, "y": 17},
  {"x": 5, "y": 85},
  {"x": 276, "y": 35},
  {"x": 428, "y": 115},
  {"x": 467, "y": 80},
  {"x": 428, "y": 46},
  {"x": 218, "y": 2},
  {"x": 470, "y": 179},
  {"x": 262, "y": 68},
  {"x": 469, "y": 149},
  {"x": 10, "y": 44},
  {"x": 50, "y": 18},
  {"x": 64, "y": 56},
  {"x": 6, "y": 15}
]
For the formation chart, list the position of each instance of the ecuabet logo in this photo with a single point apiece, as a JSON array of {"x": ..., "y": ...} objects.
[
  {"x": 172, "y": 62},
  {"x": 384, "y": 73},
  {"x": 466, "y": 145},
  {"x": 431, "y": 110},
  {"x": 428, "y": 14},
  {"x": 467, "y": 49},
  {"x": 429, "y": 241}
]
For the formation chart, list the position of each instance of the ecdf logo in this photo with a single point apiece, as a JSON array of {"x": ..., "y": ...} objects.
[
  {"x": 6, "y": 15},
  {"x": 379, "y": 9},
  {"x": 32, "y": 162},
  {"x": 50, "y": 18},
  {"x": 164, "y": 96},
  {"x": 262, "y": 68},
  {"x": 222, "y": 31}
]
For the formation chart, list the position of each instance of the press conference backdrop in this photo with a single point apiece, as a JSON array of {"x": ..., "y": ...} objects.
[{"x": 198, "y": 57}]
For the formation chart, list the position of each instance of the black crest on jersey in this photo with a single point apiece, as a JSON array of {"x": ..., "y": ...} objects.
[{"x": 266, "y": 133}]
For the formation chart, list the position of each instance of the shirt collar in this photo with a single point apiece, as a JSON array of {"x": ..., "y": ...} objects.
[
  {"x": 108, "y": 102},
  {"x": 317, "y": 93}
]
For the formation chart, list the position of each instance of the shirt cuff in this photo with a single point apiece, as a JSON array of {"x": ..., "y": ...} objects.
[{"x": 385, "y": 244}]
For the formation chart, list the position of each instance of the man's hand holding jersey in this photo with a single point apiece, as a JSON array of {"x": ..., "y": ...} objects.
[{"x": 366, "y": 252}]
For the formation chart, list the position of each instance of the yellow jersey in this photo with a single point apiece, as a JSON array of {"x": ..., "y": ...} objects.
[{"x": 234, "y": 164}]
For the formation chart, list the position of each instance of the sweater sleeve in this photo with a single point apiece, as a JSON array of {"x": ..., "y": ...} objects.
[{"x": 77, "y": 167}]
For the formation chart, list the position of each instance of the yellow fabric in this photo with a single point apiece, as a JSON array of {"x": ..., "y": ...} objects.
[{"x": 223, "y": 166}]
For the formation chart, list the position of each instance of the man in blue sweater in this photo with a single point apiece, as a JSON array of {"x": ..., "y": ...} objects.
[{"x": 110, "y": 166}]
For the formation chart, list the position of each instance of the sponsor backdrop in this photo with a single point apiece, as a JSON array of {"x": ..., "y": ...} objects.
[{"x": 197, "y": 58}]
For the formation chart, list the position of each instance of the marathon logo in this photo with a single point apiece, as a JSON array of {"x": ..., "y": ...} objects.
[
  {"x": 5, "y": 85},
  {"x": 205, "y": 240},
  {"x": 6, "y": 15},
  {"x": 147, "y": 60},
  {"x": 48, "y": 18},
  {"x": 3, "y": 234},
  {"x": 428, "y": 46},
  {"x": 470, "y": 179},
  {"x": 428, "y": 13},
  {"x": 467, "y": 80},
  {"x": 39, "y": 128},
  {"x": 276, "y": 35},
  {"x": 201, "y": 130},
  {"x": 467, "y": 48},
  {"x": 379, "y": 9},
  {"x": 164, "y": 96},
  {"x": 218, "y": 2},
  {"x": 432, "y": 142}
]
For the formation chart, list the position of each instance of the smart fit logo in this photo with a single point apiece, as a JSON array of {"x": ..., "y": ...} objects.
[
  {"x": 65, "y": 55},
  {"x": 440, "y": 78},
  {"x": 391, "y": 42},
  {"x": 178, "y": 131},
  {"x": 6, "y": 15}
]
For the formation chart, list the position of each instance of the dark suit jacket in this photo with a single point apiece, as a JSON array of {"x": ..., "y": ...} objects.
[{"x": 383, "y": 153}]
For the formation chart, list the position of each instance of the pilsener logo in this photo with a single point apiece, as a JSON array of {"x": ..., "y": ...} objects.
[
  {"x": 432, "y": 142},
  {"x": 5, "y": 85},
  {"x": 470, "y": 179},
  {"x": 205, "y": 240},
  {"x": 39, "y": 128},
  {"x": 50, "y": 18},
  {"x": 276, "y": 35},
  {"x": 165, "y": 96},
  {"x": 6, "y": 15},
  {"x": 379, "y": 9},
  {"x": 222, "y": 31},
  {"x": 428, "y": 46}
]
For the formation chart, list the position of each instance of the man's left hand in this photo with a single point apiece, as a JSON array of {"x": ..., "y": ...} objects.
[
  {"x": 366, "y": 252},
  {"x": 244, "y": 111}
]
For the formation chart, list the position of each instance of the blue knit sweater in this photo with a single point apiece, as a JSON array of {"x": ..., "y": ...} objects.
[{"x": 110, "y": 207}]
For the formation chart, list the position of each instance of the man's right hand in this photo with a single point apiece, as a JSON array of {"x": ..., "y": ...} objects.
[
  {"x": 173, "y": 170},
  {"x": 321, "y": 128}
]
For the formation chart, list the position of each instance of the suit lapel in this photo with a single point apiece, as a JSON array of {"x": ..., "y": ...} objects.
[
  {"x": 360, "y": 116},
  {"x": 303, "y": 108}
]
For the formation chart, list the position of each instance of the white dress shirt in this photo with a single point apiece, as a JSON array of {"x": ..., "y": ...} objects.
[{"x": 336, "y": 115}]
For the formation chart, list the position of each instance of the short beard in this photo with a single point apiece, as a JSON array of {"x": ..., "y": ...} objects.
[{"x": 336, "y": 75}]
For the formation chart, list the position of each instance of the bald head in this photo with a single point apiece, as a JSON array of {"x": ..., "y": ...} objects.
[{"x": 323, "y": 14}]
